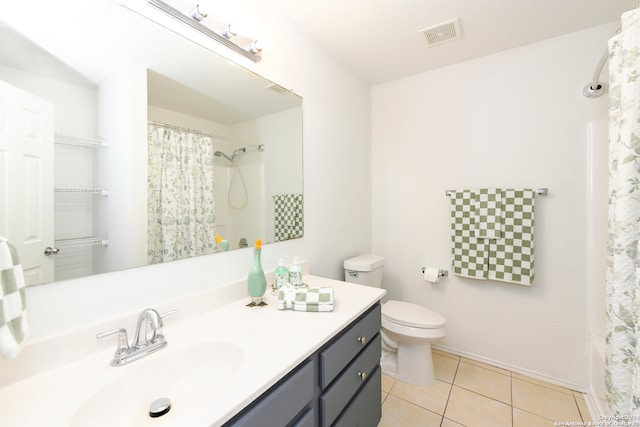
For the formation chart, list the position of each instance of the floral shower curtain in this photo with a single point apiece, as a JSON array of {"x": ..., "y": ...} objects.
[
  {"x": 623, "y": 271},
  {"x": 181, "y": 211}
]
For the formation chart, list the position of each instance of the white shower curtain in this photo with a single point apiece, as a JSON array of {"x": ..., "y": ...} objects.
[
  {"x": 181, "y": 211},
  {"x": 623, "y": 270}
]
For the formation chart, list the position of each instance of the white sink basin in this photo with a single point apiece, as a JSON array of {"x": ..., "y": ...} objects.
[{"x": 189, "y": 371}]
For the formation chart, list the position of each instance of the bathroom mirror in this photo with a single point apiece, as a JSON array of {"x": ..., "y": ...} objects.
[{"x": 115, "y": 78}]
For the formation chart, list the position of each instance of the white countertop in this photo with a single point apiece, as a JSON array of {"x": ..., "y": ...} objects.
[{"x": 279, "y": 341}]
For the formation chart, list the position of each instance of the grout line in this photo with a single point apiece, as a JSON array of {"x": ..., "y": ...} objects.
[
  {"x": 444, "y": 410},
  {"x": 513, "y": 421},
  {"x": 534, "y": 414},
  {"x": 416, "y": 405},
  {"x": 578, "y": 408}
]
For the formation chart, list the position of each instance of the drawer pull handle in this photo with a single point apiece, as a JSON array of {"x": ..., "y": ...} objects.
[
  {"x": 362, "y": 375},
  {"x": 362, "y": 340}
]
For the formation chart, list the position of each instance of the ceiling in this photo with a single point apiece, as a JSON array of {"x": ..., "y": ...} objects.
[{"x": 379, "y": 40}]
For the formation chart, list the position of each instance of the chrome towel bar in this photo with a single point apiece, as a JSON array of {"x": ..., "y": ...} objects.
[{"x": 539, "y": 192}]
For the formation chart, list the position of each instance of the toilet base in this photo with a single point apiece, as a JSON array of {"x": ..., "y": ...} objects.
[{"x": 412, "y": 363}]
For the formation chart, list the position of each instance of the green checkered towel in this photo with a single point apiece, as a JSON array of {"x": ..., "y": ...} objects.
[
  {"x": 511, "y": 257},
  {"x": 488, "y": 213},
  {"x": 13, "y": 323},
  {"x": 305, "y": 299},
  {"x": 492, "y": 234},
  {"x": 288, "y": 216}
]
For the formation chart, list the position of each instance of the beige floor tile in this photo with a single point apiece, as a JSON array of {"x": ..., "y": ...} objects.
[
  {"x": 383, "y": 396},
  {"x": 543, "y": 401},
  {"x": 584, "y": 409},
  {"x": 448, "y": 423},
  {"x": 483, "y": 381},
  {"x": 485, "y": 366},
  {"x": 399, "y": 413},
  {"x": 387, "y": 382},
  {"x": 433, "y": 398},
  {"x": 473, "y": 410},
  {"x": 542, "y": 383},
  {"x": 526, "y": 419},
  {"x": 444, "y": 367}
]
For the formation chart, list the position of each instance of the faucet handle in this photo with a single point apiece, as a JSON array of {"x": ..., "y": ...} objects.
[
  {"x": 158, "y": 333},
  {"x": 169, "y": 313},
  {"x": 123, "y": 343}
]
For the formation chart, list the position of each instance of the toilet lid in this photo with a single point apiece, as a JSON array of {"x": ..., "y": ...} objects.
[{"x": 406, "y": 313}]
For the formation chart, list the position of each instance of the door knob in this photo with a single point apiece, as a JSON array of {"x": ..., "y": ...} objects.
[{"x": 51, "y": 251}]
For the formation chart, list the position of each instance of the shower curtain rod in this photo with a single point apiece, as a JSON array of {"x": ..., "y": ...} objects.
[
  {"x": 596, "y": 88},
  {"x": 212, "y": 135}
]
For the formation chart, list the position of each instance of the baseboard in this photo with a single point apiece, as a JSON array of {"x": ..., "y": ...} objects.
[
  {"x": 513, "y": 368},
  {"x": 594, "y": 405}
]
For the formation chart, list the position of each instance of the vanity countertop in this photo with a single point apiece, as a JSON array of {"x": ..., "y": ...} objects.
[{"x": 280, "y": 340}]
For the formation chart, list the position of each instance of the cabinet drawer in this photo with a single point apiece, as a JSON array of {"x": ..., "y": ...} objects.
[
  {"x": 339, "y": 353},
  {"x": 306, "y": 420},
  {"x": 282, "y": 403},
  {"x": 342, "y": 390},
  {"x": 366, "y": 409}
]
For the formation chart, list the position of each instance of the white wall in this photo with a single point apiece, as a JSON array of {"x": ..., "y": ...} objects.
[
  {"x": 336, "y": 186},
  {"x": 513, "y": 119},
  {"x": 281, "y": 160},
  {"x": 122, "y": 217}
]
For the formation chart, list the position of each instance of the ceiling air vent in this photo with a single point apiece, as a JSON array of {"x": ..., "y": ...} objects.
[{"x": 441, "y": 33}]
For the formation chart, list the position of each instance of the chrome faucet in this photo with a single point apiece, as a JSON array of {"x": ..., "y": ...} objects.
[
  {"x": 147, "y": 339},
  {"x": 148, "y": 318}
]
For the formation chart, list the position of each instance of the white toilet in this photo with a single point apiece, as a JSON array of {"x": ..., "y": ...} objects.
[{"x": 407, "y": 329}]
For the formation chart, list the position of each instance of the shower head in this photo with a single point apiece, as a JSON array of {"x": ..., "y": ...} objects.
[
  {"x": 233, "y": 156},
  {"x": 220, "y": 153}
]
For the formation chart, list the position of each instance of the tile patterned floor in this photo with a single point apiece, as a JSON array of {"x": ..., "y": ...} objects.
[{"x": 473, "y": 394}]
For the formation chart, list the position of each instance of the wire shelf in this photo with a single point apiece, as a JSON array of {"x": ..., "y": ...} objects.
[
  {"x": 78, "y": 242},
  {"x": 77, "y": 141},
  {"x": 101, "y": 191}
]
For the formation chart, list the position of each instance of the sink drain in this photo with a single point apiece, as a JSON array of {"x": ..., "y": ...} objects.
[{"x": 159, "y": 407}]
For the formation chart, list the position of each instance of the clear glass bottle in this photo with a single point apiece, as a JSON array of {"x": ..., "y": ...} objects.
[{"x": 256, "y": 281}]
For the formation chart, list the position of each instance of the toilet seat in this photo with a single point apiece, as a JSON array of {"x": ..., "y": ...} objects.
[{"x": 412, "y": 315}]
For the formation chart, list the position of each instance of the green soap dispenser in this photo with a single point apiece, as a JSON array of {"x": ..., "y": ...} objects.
[{"x": 256, "y": 280}]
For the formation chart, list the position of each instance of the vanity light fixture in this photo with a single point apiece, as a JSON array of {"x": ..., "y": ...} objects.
[
  {"x": 243, "y": 45},
  {"x": 227, "y": 32},
  {"x": 196, "y": 14}
]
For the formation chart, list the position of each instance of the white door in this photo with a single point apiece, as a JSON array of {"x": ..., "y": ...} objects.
[{"x": 26, "y": 179}]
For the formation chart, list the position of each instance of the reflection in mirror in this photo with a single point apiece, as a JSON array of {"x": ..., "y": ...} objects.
[{"x": 128, "y": 119}]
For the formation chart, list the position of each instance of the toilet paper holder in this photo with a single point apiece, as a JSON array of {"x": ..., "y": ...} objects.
[{"x": 441, "y": 273}]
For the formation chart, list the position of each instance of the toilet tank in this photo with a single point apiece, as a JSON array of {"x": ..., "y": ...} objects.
[{"x": 364, "y": 270}]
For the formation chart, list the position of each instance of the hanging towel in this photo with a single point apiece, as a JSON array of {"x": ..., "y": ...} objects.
[
  {"x": 468, "y": 252},
  {"x": 492, "y": 234},
  {"x": 488, "y": 213},
  {"x": 13, "y": 322},
  {"x": 511, "y": 257},
  {"x": 305, "y": 299},
  {"x": 288, "y": 216}
]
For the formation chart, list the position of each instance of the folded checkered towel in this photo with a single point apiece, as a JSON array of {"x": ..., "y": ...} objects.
[
  {"x": 305, "y": 299},
  {"x": 13, "y": 322}
]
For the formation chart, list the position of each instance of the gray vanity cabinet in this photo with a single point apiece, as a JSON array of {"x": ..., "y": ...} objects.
[
  {"x": 349, "y": 365},
  {"x": 339, "y": 385},
  {"x": 284, "y": 404}
]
